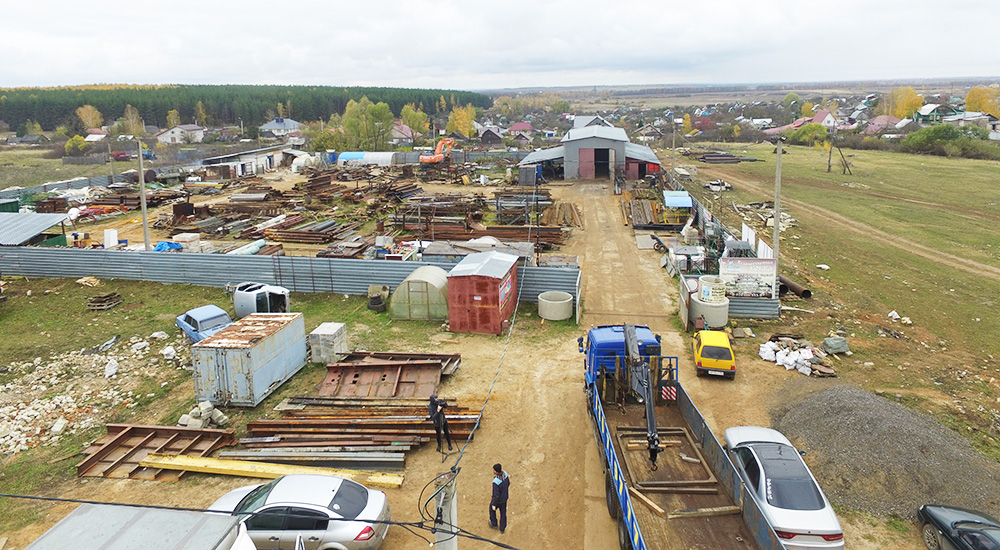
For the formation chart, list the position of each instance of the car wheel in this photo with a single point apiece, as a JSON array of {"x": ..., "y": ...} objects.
[
  {"x": 931, "y": 537},
  {"x": 700, "y": 372},
  {"x": 610, "y": 496},
  {"x": 624, "y": 540}
]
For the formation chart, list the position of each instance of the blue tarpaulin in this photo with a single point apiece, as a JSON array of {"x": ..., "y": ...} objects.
[{"x": 165, "y": 246}]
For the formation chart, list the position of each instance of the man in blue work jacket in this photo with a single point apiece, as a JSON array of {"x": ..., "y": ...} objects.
[{"x": 501, "y": 483}]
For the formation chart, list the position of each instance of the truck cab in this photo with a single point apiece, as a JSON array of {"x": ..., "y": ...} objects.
[{"x": 604, "y": 344}]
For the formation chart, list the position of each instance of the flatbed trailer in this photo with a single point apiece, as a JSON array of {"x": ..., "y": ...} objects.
[{"x": 693, "y": 497}]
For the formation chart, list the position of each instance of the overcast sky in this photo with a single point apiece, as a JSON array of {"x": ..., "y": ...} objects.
[{"x": 474, "y": 45}]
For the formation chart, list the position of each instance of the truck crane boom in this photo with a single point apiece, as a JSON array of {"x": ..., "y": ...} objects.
[{"x": 642, "y": 387}]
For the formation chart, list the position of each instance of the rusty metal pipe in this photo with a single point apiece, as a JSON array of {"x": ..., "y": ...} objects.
[{"x": 799, "y": 290}]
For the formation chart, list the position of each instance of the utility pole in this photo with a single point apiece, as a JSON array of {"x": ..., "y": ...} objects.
[
  {"x": 142, "y": 199},
  {"x": 673, "y": 147},
  {"x": 446, "y": 516},
  {"x": 111, "y": 159},
  {"x": 777, "y": 203}
]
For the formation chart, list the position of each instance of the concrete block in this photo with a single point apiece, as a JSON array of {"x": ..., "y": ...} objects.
[
  {"x": 185, "y": 418},
  {"x": 197, "y": 423}
]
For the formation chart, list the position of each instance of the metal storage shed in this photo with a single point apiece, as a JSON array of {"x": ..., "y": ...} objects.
[
  {"x": 483, "y": 292},
  {"x": 423, "y": 294}
]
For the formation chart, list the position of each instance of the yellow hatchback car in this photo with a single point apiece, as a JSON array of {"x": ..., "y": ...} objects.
[{"x": 713, "y": 354}]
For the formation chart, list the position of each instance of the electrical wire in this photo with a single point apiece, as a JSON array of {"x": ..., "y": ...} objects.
[
  {"x": 408, "y": 526},
  {"x": 461, "y": 453}
]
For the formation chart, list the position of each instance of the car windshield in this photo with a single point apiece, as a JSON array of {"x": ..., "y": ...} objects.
[
  {"x": 717, "y": 352},
  {"x": 213, "y": 322},
  {"x": 787, "y": 483},
  {"x": 255, "y": 499},
  {"x": 350, "y": 500}
]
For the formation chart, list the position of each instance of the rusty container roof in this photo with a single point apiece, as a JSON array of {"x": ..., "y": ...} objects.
[{"x": 249, "y": 330}]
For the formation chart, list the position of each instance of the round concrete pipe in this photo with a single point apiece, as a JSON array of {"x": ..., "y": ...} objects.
[
  {"x": 555, "y": 305},
  {"x": 799, "y": 290}
]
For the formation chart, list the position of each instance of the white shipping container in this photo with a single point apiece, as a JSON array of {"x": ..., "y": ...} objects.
[{"x": 247, "y": 361}]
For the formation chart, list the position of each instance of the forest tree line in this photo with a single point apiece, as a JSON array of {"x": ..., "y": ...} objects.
[{"x": 222, "y": 104}]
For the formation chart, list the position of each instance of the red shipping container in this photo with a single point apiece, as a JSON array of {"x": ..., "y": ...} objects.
[{"x": 482, "y": 292}]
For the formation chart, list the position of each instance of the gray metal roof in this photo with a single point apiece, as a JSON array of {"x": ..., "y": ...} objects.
[
  {"x": 677, "y": 199},
  {"x": 108, "y": 527},
  {"x": 16, "y": 229},
  {"x": 551, "y": 153},
  {"x": 615, "y": 134},
  {"x": 488, "y": 264},
  {"x": 280, "y": 123},
  {"x": 640, "y": 152}
]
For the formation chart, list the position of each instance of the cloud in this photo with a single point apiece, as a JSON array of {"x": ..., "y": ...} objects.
[{"x": 478, "y": 45}]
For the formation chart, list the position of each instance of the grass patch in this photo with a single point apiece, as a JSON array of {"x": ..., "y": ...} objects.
[
  {"x": 897, "y": 524},
  {"x": 23, "y": 167}
]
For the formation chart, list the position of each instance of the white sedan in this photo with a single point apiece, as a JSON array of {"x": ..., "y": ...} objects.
[
  {"x": 785, "y": 489},
  {"x": 328, "y": 512}
]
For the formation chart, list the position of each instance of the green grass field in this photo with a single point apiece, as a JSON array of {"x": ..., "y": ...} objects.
[
  {"x": 27, "y": 167},
  {"x": 947, "y": 205}
]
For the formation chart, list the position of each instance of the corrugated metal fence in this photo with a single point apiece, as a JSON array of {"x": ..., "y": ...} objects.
[
  {"x": 298, "y": 274},
  {"x": 727, "y": 475}
]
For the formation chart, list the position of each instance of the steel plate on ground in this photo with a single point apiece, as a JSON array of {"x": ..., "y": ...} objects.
[{"x": 415, "y": 379}]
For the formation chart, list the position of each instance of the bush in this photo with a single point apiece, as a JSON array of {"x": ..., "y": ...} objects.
[{"x": 948, "y": 140}]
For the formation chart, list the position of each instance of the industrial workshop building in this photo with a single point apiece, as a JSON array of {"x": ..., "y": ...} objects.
[{"x": 598, "y": 152}]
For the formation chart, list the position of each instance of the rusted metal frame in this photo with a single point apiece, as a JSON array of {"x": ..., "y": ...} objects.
[
  {"x": 395, "y": 384},
  {"x": 103, "y": 451},
  {"x": 164, "y": 447},
  {"x": 626, "y": 431},
  {"x": 128, "y": 454}
]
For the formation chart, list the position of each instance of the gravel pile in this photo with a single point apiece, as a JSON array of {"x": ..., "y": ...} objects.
[{"x": 874, "y": 455}]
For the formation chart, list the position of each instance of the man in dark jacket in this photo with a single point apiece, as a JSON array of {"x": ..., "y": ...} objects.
[
  {"x": 498, "y": 503},
  {"x": 436, "y": 410}
]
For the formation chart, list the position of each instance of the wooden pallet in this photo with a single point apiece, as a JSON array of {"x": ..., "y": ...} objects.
[{"x": 104, "y": 301}]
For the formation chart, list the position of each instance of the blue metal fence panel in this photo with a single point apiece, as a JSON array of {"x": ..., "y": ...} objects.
[
  {"x": 727, "y": 475},
  {"x": 298, "y": 274},
  {"x": 617, "y": 476}
]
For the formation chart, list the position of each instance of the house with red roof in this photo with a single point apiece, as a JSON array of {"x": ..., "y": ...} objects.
[{"x": 521, "y": 127}]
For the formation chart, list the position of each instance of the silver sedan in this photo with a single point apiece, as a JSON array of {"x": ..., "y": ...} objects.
[
  {"x": 784, "y": 488},
  {"x": 328, "y": 512}
]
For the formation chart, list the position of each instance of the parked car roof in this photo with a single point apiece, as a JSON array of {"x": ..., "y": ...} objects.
[{"x": 747, "y": 434}]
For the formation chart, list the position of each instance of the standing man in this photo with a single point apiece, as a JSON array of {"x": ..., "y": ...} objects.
[
  {"x": 436, "y": 410},
  {"x": 498, "y": 503}
]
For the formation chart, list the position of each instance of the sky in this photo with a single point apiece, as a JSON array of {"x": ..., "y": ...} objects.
[{"x": 477, "y": 45}]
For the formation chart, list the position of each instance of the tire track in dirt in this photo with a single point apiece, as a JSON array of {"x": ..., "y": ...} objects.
[{"x": 881, "y": 237}]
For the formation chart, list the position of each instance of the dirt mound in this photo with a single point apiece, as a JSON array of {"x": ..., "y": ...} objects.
[{"x": 874, "y": 455}]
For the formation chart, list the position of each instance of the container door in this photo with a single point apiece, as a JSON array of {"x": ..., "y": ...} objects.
[{"x": 221, "y": 392}]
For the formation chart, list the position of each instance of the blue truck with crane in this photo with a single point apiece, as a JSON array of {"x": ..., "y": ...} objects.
[{"x": 668, "y": 482}]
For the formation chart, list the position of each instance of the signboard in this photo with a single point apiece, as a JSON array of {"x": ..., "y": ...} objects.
[
  {"x": 505, "y": 288},
  {"x": 749, "y": 277}
]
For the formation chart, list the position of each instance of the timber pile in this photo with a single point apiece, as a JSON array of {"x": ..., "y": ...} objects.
[
  {"x": 354, "y": 433},
  {"x": 283, "y": 221},
  {"x": 644, "y": 212},
  {"x": 314, "y": 233},
  {"x": 548, "y": 236},
  {"x": 563, "y": 214},
  {"x": 345, "y": 249}
]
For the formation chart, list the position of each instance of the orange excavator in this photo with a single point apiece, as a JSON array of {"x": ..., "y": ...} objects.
[{"x": 441, "y": 152}]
